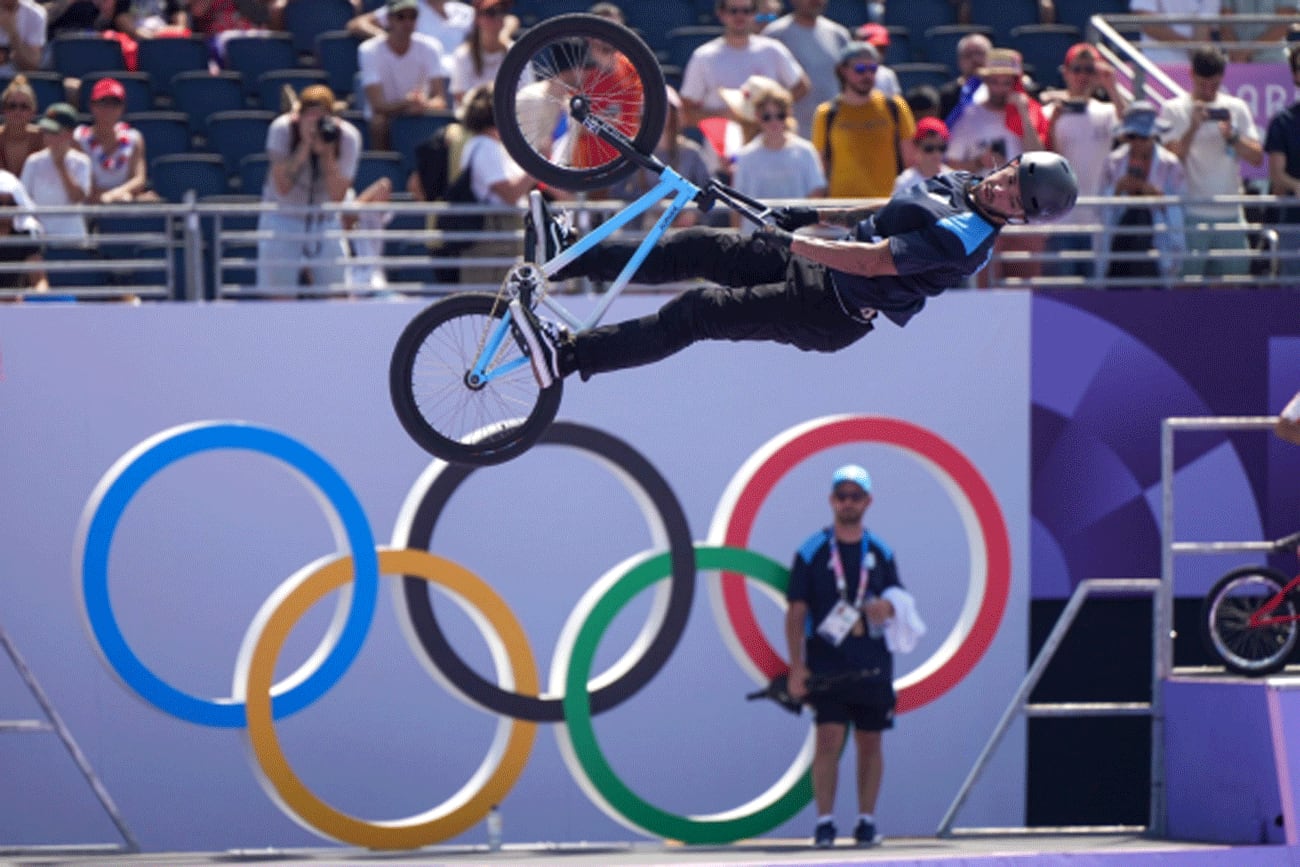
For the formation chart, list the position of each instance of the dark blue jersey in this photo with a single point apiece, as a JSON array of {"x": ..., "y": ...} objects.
[
  {"x": 813, "y": 582},
  {"x": 937, "y": 239}
]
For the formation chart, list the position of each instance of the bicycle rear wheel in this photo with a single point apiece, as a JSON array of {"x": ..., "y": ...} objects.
[
  {"x": 578, "y": 59},
  {"x": 1225, "y": 622},
  {"x": 430, "y": 385}
]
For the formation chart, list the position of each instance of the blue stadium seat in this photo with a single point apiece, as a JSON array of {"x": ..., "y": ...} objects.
[
  {"x": 1078, "y": 14},
  {"x": 117, "y": 224},
  {"x": 408, "y": 131},
  {"x": 175, "y": 174},
  {"x": 270, "y": 87},
  {"x": 851, "y": 13},
  {"x": 374, "y": 165},
  {"x": 1043, "y": 47},
  {"x": 656, "y": 18},
  {"x": 48, "y": 87},
  {"x": 941, "y": 42},
  {"x": 920, "y": 15},
  {"x": 244, "y": 219},
  {"x": 253, "y": 170},
  {"x": 336, "y": 52},
  {"x": 78, "y": 54},
  {"x": 911, "y": 75},
  {"x": 165, "y": 132},
  {"x": 306, "y": 21},
  {"x": 900, "y": 46},
  {"x": 236, "y": 134},
  {"x": 683, "y": 41},
  {"x": 1004, "y": 16},
  {"x": 251, "y": 56},
  {"x": 358, "y": 120},
  {"x": 91, "y": 277},
  {"x": 200, "y": 94},
  {"x": 138, "y": 87},
  {"x": 162, "y": 59}
]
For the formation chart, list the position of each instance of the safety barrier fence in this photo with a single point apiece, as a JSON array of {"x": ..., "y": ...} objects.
[{"x": 205, "y": 250}]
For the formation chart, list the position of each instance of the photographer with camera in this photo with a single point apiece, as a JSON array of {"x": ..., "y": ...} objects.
[
  {"x": 1212, "y": 132},
  {"x": 313, "y": 156}
]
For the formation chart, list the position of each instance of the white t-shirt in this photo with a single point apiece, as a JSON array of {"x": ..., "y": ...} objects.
[
  {"x": 307, "y": 189},
  {"x": 791, "y": 172},
  {"x": 41, "y": 179},
  {"x": 1198, "y": 8},
  {"x": 450, "y": 32},
  {"x": 10, "y": 184},
  {"x": 398, "y": 75},
  {"x": 716, "y": 65},
  {"x": 1084, "y": 139},
  {"x": 1212, "y": 166},
  {"x": 489, "y": 164},
  {"x": 463, "y": 76},
  {"x": 977, "y": 129},
  {"x": 31, "y": 31}
]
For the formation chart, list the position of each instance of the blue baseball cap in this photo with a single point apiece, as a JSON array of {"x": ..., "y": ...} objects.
[{"x": 852, "y": 473}]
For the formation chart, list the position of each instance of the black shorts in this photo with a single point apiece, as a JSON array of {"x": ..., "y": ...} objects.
[{"x": 868, "y": 705}]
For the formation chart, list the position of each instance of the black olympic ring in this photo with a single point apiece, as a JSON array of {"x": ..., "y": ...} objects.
[{"x": 680, "y": 595}]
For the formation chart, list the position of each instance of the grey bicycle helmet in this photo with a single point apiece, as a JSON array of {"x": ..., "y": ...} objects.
[{"x": 1048, "y": 187}]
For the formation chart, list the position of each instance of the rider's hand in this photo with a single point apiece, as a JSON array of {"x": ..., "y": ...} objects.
[
  {"x": 770, "y": 236},
  {"x": 794, "y": 218}
]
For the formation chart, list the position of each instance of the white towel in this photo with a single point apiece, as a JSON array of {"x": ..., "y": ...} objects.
[{"x": 905, "y": 628}]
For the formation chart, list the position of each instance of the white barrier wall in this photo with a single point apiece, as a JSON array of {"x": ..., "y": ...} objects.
[{"x": 206, "y": 540}]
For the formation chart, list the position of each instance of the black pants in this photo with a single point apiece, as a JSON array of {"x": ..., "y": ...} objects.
[{"x": 765, "y": 294}]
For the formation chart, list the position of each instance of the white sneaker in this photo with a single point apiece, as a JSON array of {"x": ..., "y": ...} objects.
[
  {"x": 540, "y": 342},
  {"x": 545, "y": 235}
]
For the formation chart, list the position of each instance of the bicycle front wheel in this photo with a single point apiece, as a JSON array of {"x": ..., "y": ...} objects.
[
  {"x": 1225, "y": 622},
  {"x": 578, "y": 59},
  {"x": 444, "y": 408}
]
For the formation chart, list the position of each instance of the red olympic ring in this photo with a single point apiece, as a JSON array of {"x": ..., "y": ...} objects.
[{"x": 760, "y": 476}]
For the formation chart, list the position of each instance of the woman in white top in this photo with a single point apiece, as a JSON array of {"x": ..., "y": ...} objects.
[
  {"x": 777, "y": 163},
  {"x": 928, "y": 148},
  {"x": 495, "y": 179},
  {"x": 118, "y": 167},
  {"x": 476, "y": 60}
]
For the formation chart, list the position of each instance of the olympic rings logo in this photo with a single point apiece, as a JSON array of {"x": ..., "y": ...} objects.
[{"x": 574, "y": 695}]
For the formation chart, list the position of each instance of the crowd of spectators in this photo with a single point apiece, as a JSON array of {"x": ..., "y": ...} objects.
[{"x": 783, "y": 102}]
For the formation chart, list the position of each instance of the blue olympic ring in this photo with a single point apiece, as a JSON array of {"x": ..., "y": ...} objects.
[{"x": 126, "y": 479}]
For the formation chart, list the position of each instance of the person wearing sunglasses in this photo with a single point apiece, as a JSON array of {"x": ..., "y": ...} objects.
[
  {"x": 846, "y": 615},
  {"x": 118, "y": 163},
  {"x": 729, "y": 60},
  {"x": 861, "y": 132},
  {"x": 777, "y": 163},
  {"x": 1080, "y": 127},
  {"x": 19, "y": 137},
  {"x": 476, "y": 60},
  {"x": 1142, "y": 241},
  {"x": 402, "y": 72},
  {"x": 929, "y": 146}
]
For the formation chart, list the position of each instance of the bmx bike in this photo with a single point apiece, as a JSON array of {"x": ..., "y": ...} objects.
[
  {"x": 1249, "y": 618},
  {"x": 461, "y": 385}
]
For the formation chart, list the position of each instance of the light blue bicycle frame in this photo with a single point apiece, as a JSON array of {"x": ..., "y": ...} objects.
[{"x": 671, "y": 184}]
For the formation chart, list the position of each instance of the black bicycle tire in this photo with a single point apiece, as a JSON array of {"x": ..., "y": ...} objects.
[
  {"x": 513, "y": 67},
  {"x": 493, "y": 450},
  {"x": 1210, "y": 609}
]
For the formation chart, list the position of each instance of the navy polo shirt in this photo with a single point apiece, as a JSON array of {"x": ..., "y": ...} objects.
[{"x": 937, "y": 239}]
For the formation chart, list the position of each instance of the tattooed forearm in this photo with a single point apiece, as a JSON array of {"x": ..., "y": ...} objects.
[{"x": 847, "y": 217}]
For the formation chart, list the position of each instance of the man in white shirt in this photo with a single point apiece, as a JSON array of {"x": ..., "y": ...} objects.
[
  {"x": 1212, "y": 132},
  {"x": 447, "y": 21},
  {"x": 22, "y": 36},
  {"x": 402, "y": 71},
  {"x": 731, "y": 59},
  {"x": 1080, "y": 128},
  {"x": 59, "y": 175}
]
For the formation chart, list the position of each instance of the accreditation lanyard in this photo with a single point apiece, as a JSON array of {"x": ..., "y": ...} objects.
[{"x": 837, "y": 569}]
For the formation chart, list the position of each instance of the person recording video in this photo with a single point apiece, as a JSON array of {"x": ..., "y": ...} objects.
[{"x": 313, "y": 155}]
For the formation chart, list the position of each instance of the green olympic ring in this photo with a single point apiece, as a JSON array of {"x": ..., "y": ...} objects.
[{"x": 790, "y": 794}]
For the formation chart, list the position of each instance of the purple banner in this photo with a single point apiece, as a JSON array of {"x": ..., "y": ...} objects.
[
  {"x": 1266, "y": 87},
  {"x": 1108, "y": 368}
]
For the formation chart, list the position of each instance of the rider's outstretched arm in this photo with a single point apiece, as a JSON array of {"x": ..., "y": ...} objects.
[{"x": 870, "y": 259}]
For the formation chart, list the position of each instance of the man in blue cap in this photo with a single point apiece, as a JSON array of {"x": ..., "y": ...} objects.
[{"x": 834, "y": 626}]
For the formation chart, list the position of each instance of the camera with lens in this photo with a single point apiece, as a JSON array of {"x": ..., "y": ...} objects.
[{"x": 328, "y": 129}]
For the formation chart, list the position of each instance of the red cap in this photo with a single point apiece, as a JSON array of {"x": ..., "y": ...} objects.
[
  {"x": 874, "y": 34},
  {"x": 927, "y": 125},
  {"x": 1081, "y": 48},
  {"x": 108, "y": 88}
]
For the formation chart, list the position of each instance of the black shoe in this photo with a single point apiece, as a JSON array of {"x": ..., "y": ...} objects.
[
  {"x": 824, "y": 835},
  {"x": 545, "y": 235},
  {"x": 866, "y": 834},
  {"x": 542, "y": 341}
]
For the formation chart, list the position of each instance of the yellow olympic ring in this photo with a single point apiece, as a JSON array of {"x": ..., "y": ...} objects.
[{"x": 255, "y": 675}]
